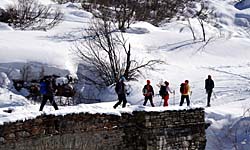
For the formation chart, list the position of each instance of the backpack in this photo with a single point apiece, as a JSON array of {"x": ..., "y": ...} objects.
[
  {"x": 163, "y": 92},
  {"x": 43, "y": 88},
  {"x": 147, "y": 90},
  {"x": 46, "y": 87},
  {"x": 183, "y": 88},
  {"x": 120, "y": 88}
]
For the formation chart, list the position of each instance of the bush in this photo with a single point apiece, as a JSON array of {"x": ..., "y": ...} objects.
[
  {"x": 66, "y": 1},
  {"x": 29, "y": 14},
  {"x": 124, "y": 11}
]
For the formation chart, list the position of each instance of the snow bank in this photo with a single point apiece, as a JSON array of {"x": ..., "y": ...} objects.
[{"x": 243, "y": 4}]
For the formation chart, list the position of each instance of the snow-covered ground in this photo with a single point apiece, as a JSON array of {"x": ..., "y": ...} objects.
[{"x": 226, "y": 57}]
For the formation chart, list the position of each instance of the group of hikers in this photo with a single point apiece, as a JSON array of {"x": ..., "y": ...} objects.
[
  {"x": 47, "y": 90},
  {"x": 148, "y": 92}
]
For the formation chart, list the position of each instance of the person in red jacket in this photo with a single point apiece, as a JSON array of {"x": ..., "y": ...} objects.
[
  {"x": 166, "y": 96},
  {"x": 148, "y": 93}
]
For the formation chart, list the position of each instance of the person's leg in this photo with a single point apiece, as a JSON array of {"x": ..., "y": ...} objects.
[
  {"x": 43, "y": 103},
  {"x": 53, "y": 103},
  {"x": 166, "y": 100},
  {"x": 188, "y": 101},
  {"x": 182, "y": 100},
  {"x": 119, "y": 101},
  {"x": 208, "y": 98},
  {"x": 124, "y": 101},
  {"x": 151, "y": 101},
  {"x": 145, "y": 100}
]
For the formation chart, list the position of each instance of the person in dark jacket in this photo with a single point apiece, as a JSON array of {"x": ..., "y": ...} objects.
[
  {"x": 47, "y": 91},
  {"x": 209, "y": 85},
  {"x": 148, "y": 93},
  {"x": 120, "y": 90}
]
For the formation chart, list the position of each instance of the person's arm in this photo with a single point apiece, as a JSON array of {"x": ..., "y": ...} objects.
[
  {"x": 189, "y": 90},
  {"x": 206, "y": 84},
  {"x": 116, "y": 88},
  {"x": 143, "y": 90},
  {"x": 168, "y": 90},
  {"x": 152, "y": 91}
]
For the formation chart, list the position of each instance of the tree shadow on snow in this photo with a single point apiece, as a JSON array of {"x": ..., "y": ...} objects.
[{"x": 178, "y": 45}]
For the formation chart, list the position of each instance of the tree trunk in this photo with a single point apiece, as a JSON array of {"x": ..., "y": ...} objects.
[{"x": 128, "y": 63}]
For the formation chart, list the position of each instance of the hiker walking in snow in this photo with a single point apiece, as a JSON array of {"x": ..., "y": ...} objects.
[
  {"x": 47, "y": 91},
  {"x": 209, "y": 85},
  {"x": 148, "y": 93},
  {"x": 121, "y": 92},
  {"x": 164, "y": 92},
  {"x": 185, "y": 91}
]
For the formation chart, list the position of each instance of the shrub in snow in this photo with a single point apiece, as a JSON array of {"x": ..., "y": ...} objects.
[
  {"x": 124, "y": 12},
  {"x": 3, "y": 15},
  {"x": 66, "y": 1},
  {"x": 29, "y": 14}
]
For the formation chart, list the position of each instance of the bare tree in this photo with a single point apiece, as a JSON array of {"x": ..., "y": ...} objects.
[
  {"x": 189, "y": 26},
  {"x": 119, "y": 11},
  {"x": 201, "y": 16},
  {"x": 124, "y": 10},
  {"x": 29, "y": 14},
  {"x": 204, "y": 14},
  {"x": 106, "y": 56}
]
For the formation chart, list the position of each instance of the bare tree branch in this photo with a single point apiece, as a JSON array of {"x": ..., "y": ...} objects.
[
  {"x": 106, "y": 56},
  {"x": 29, "y": 14}
]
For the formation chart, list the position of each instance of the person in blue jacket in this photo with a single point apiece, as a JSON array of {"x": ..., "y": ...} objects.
[{"x": 47, "y": 91}]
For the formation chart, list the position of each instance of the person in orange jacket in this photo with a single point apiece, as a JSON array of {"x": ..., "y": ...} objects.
[{"x": 185, "y": 91}]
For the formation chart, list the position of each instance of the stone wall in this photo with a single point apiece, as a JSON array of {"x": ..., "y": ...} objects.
[{"x": 168, "y": 130}]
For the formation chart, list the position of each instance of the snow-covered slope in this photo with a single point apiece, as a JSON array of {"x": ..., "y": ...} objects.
[{"x": 226, "y": 56}]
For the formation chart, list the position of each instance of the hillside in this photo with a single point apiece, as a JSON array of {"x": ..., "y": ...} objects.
[{"x": 225, "y": 56}]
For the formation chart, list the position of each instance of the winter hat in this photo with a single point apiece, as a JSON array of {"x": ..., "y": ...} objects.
[
  {"x": 166, "y": 82},
  {"x": 122, "y": 78},
  {"x": 148, "y": 81}
]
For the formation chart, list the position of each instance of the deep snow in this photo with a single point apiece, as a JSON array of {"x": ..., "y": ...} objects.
[{"x": 226, "y": 57}]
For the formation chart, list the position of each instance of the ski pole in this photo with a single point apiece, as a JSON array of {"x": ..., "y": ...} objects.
[
  {"x": 174, "y": 97},
  {"x": 214, "y": 95},
  {"x": 190, "y": 97}
]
